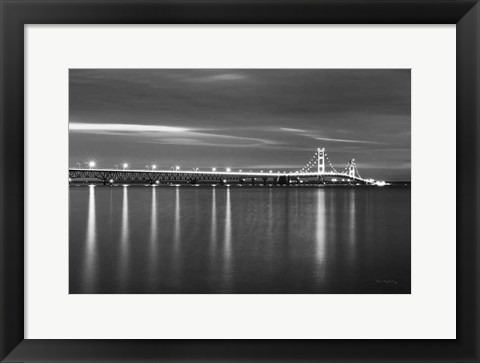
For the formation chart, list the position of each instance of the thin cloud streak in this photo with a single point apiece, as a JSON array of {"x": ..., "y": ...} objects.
[
  {"x": 219, "y": 77},
  {"x": 170, "y": 135},
  {"x": 292, "y": 130},
  {"x": 103, "y": 127},
  {"x": 345, "y": 140},
  {"x": 301, "y": 132},
  {"x": 193, "y": 142}
]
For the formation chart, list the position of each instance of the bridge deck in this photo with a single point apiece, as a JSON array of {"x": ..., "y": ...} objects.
[{"x": 153, "y": 175}]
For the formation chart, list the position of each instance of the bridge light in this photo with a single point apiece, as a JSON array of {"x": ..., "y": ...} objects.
[
  {"x": 214, "y": 169},
  {"x": 125, "y": 166},
  {"x": 91, "y": 164},
  {"x": 240, "y": 171},
  {"x": 271, "y": 171},
  {"x": 154, "y": 166},
  {"x": 111, "y": 181},
  {"x": 69, "y": 180},
  {"x": 261, "y": 171},
  {"x": 229, "y": 170},
  {"x": 177, "y": 168}
]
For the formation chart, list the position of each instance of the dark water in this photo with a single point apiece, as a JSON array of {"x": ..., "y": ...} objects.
[{"x": 188, "y": 239}]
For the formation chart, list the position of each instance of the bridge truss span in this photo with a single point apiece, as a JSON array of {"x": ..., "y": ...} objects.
[{"x": 319, "y": 170}]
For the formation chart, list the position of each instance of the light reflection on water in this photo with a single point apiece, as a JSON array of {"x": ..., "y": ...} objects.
[
  {"x": 176, "y": 258},
  {"x": 153, "y": 248},
  {"x": 352, "y": 227},
  {"x": 123, "y": 267},
  {"x": 213, "y": 226},
  {"x": 90, "y": 268},
  {"x": 320, "y": 235},
  {"x": 176, "y": 235},
  {"x": 227, "y": 244},
  {"x": 239, "y": 240}
]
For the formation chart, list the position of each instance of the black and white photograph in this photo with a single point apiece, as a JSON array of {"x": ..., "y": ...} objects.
[{"x": 239, "y": 181}]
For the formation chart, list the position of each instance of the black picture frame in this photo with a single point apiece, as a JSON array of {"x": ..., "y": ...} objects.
[{"x": 15, "y": 14}]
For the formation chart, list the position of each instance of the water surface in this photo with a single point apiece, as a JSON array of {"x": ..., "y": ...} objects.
[{"x": 186, "y": 239}]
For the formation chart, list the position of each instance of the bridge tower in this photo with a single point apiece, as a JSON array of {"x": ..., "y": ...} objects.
[
  {"x": 351, "y": 168},
  {"x": 321, "y": 160}
]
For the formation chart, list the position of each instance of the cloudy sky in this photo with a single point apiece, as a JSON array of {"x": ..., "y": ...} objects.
[{"x": 245, "y": 119}]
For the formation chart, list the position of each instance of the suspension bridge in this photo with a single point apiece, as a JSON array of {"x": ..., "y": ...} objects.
[{"x": 318, "y": 169}]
